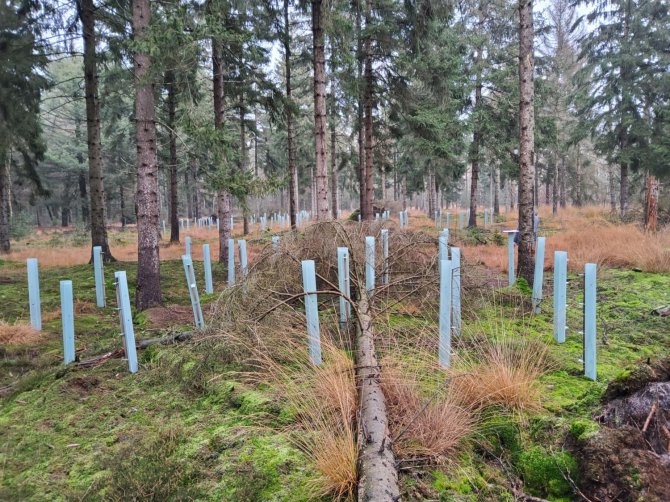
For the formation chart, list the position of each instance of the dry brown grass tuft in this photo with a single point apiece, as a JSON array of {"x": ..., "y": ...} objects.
[
  {"x": 501, "y": 373},
  {"x": 426, "y": 425},
  {"x": 18, "y": 334},
  {"x": 324, "y": 401}
]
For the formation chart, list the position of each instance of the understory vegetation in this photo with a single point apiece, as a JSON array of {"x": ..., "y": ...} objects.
[{"x": 239, "y": 413}]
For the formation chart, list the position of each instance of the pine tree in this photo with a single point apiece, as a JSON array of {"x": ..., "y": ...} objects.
[
  {"x": 148, "y": 291},
  {"x": 526, "y": 140}
]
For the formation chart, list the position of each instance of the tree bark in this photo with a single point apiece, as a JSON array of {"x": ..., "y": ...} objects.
[
  {"x": 322, "y": 212},
  {"x": 359, "y": 109},
  {"x": 333, "y": 168},
  {"x": 554, "y": 185},
  {"x": 496, "y": 191},
  {"x": 148, "y": 291},
  {"x": 4, "y": 202},
  {"x": 526, "y": 141},
  {"x": 477, "y": 135},
  {"x": 623, "y": 190},
  {"x": 612, "y": 185},
  {"x": 578, "y": 180},
  {"x": 562, "y": 180},
  {"x": 172, "y": 124},
  {"x": 243, "y": 156},
  {"x": 651, "y": 204},
  {"x": 122, "y": 203},
  {"x": 223, "y": 204},
  {"x": 378, "y": 480},
  {"x": 368, "y": 119},
  {"x": 95, "y": 168},
  {"x": 292, "y": 166}
]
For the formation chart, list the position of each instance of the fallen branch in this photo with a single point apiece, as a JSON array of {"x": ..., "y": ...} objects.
[
  {"x": 141, "y": 345},
  {"x": 651, "y": 413}
]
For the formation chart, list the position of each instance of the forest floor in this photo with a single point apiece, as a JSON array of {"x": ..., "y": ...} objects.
[{"x": 192, "y": 424}]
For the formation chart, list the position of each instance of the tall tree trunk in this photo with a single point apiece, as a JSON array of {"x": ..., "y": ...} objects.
[
  {"x": 651, "y": 204},
  {"x": 477, "y": 135},
  {"x": 578, "y": 180},
  {"x": 243, "y": 156},
  {"x": 4, "y": 202},
  {"x": 83, "y": 198},
  {"x": 359, "y": 108},
  {"x": 554, "y": 185},
  {"x": 172, "y": 125},
  {"x": 292, "y": 165},
  {"x": 148, "y": 292},
  {"x": 333, "y": 168},
  {"x": 403, "y": 195},
  {"x": 95, "y": 169},
  {"x": 322, "y": 212},
  {"x": 81, "y": 179},
  {"x": 187, "y": 188},
  {"x": 623, "y": 192},
  {"x": 367, "y": 108},
  {"x": 496, "y": 191},
  {"x": 526, "y": 140},
  {"x": 612, "y": 185},
  {"x": 223, "y": 205},
  {"x": 383, "y": 183},
  {"x": 122, "y": 203},
  {"x": 562, "y": 182}
]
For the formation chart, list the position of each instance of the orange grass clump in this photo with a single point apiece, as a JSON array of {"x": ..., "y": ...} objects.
[
  {"x": 18, "y": 334},
  {"x": 501, "y": 373},
  {"x": 429, "y": 426},
  {"x": 323, "y": 399}
]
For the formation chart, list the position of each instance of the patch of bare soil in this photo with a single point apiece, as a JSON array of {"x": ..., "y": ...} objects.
[
  {"x": 629, "y": 459},
  {"x": 84, "y": 385},
  {"x": 169, "y": 316}
]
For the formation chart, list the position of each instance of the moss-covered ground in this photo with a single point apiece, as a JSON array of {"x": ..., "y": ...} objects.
[{"x": 183, "y": 428}]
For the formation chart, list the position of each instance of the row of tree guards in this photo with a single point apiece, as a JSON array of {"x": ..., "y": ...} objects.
[{"x": 449, "y": 260}]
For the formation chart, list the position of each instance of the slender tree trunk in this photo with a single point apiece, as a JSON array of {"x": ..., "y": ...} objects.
[
  {"x": 172, "y": 125},
  {"x": 651, "y": 204},
  {"x": 292, "y": 166},
  {"x": 65, "y": 208},
  {"x": 403, "y": 195},
  {"x": 623, "y": 192},
  {"x": 83, "y": 198},
  {"x": 95, "y": 168},
  {"x": 367, "y": 106},
  {"x": 612, "y": 185},
  {"x": 496, "y": 191},
  {"x": 578, "y": 180},
  {"x": 554, "y": 185},
  {"x": 359, "y": 108},
  {"x": 322, "y": 212},
  {"x": 333, "y": 169},
  {"x": 243, "y": 156},
  {"x": 562, "y": 182},
  {"x": 148, "y": 292},
  {"x": 81, "y": 179},
  {"x": 223, "y": 205},
  {"x": 4, "y": 202},
  {"x": 526, "y": 140},
  {"x": 477, "y": 135},
  {"x": 187, "y": 188},
  {"x": 122, "y": 203}
]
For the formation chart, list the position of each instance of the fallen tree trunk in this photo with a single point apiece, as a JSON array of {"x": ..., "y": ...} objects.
[
  {"x": 140, "y": 345},
  {"x": 378, "y": 479}
]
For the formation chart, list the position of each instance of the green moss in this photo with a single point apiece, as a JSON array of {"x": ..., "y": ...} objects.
[
  {"x": 582, "y": 429},
  {"x": 544, "y": 473}
]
